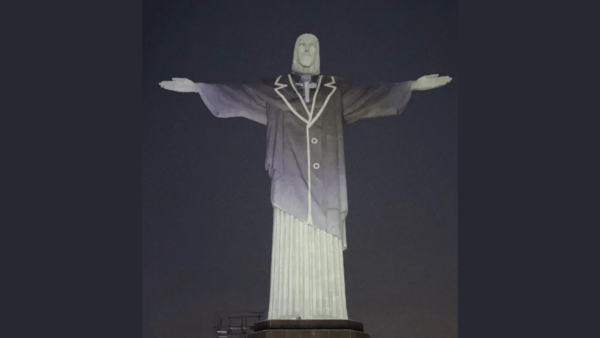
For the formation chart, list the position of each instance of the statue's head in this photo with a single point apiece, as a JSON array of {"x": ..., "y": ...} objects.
[{"x": 306, "y": 55}]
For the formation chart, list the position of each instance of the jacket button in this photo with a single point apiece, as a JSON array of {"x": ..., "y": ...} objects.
[
  {"x": 314, "y": 140},
  {"x": 316, "y": 166}
]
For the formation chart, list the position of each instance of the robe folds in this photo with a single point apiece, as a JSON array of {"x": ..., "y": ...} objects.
[{"x": 305, "y": 145}]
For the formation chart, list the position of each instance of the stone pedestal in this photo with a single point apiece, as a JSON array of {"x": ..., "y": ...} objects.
[{"x": 310, "y": 328}]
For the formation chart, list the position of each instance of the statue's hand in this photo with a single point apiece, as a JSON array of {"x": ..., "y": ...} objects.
[
  {"x": 179, "y": 85},
  {"x": 429, "y": 82}
]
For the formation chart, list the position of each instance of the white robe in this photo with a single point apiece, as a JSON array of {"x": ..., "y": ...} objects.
[{"x": 307, "y": 271}]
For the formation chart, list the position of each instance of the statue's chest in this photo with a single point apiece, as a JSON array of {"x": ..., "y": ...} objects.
[
  {"x": 293, "y": 98},
  {"x": 299, "y": 103}
]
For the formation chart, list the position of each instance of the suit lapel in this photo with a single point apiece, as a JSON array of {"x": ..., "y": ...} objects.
[
  {"x": 287, "y": 103},
  {"x": 333, "y": 89},
  {"x": 309, "y": 117}
]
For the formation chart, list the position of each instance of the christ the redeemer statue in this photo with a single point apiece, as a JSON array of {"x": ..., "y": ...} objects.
[{"x": 304, "y": 113}]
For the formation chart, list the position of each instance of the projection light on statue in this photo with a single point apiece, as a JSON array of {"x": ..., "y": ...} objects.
[{"x": 304, "y": 113}]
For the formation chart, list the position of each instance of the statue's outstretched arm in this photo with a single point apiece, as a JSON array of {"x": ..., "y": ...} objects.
[
  {"x": 430, "y": 82},
  {"x": 180, "y": 85},
  {"x": 360, "y": 101},
  {"x": 226, "y": 100}
]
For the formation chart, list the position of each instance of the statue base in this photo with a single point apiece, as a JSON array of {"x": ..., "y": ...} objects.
[{"x": 309, "y": 328}]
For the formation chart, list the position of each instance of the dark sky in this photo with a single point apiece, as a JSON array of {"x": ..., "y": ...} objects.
[{"x": 207, "y": 218}]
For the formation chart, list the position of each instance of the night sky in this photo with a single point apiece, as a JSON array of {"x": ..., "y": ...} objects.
[{"x": 207, "y": 218}]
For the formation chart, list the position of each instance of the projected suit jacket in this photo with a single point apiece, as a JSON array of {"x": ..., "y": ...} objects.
[{"x": 305, "y": 147}]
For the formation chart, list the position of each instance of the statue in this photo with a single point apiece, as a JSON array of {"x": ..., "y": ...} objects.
[{"x": 304, "y": 113}]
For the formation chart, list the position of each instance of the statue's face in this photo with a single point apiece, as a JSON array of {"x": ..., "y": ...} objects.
[{"x": 307, "y": 51}]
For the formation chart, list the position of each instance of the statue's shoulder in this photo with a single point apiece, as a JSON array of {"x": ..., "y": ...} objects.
[
  {"x": 276, "y": 81},
  {"x": 329, "y": 77},
  {"x": 338, "y": 79},
  {"x": 270, "y": 81}
]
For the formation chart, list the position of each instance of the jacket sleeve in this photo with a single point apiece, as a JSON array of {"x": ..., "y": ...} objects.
[
  {"x": 360, "y": 101},
  {"x": 235, "y": 100}
]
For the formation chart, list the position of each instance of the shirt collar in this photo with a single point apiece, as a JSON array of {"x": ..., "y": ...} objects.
[{"x": 313, "y": 78}]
